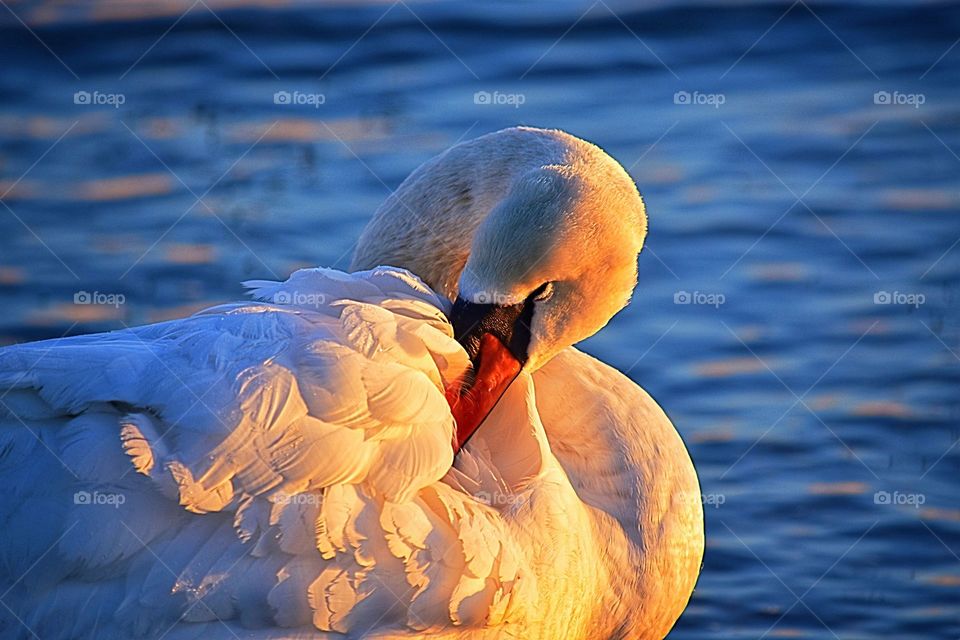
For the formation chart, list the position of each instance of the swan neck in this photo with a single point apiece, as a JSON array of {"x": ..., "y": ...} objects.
[{"x": 428, "y": 224}]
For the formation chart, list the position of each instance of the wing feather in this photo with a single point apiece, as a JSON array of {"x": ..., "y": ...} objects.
[{"x": 272, "y": 463}]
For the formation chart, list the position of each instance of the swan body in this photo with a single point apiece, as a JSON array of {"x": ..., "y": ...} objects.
[{"x": 283, "y": 468}]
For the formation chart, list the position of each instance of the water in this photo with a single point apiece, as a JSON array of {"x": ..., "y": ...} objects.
[{"x": 782, "y": 198}]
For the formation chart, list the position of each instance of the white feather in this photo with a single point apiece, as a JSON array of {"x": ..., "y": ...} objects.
[{"x": 282, "y": 468}]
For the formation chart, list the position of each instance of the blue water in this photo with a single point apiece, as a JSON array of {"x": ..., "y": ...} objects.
[{"x": 783, "y": 198}]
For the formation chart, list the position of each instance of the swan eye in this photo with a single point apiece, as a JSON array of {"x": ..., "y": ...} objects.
[{"x": 542, "y": 292}]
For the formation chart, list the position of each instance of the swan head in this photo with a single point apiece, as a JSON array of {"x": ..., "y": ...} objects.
[
  {"x": 550, "y": 265},
  {"x": 532, "y": 233}
]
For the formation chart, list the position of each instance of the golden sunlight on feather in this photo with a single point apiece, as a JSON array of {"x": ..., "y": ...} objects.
[{"x": 285, "y": 467}]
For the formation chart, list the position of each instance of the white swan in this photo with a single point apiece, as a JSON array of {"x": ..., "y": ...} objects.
[{"x": 282, "y": 468}]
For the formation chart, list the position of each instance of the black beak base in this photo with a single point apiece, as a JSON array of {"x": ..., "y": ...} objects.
[{"x": 508, "y": 323}]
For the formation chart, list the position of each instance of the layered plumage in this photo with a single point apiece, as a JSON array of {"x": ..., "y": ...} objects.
[
  {"x": 284, "y": 468},
  {"x": 309, "y": 430}
]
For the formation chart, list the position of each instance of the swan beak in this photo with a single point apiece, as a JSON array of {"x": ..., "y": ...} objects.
[{"x": 496, "y": 338}]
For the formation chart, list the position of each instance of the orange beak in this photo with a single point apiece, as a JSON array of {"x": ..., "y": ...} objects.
[
  {"x": 496, "y": 338},
  {"x": 495, "y": 369}
]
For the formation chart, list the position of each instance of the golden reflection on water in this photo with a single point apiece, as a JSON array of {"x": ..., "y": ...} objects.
[
  {"x": 345, "y": 130},
  {"x": 730, "y": 367},
  {"x": 883, "y": 409},
  {"x": 123, "y": 187},
  {"x": 190, "y": 253},
  {"x": 838, "y": 488},
  {"x": 128, "y": 10}
]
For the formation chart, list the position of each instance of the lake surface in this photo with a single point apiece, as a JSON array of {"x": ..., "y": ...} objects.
[{"x": 797, "y": 313}]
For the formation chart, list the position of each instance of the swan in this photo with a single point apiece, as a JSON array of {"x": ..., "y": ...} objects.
[{"x": 403, "y": 450}]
